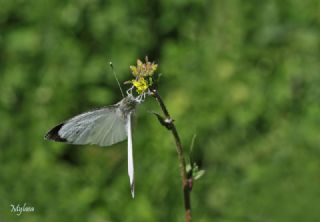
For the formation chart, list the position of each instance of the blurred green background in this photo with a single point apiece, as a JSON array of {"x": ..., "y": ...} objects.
[{"x": 242, "y": 75}]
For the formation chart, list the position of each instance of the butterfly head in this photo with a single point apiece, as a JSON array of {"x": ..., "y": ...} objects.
[{"x": 127, "y": 105}]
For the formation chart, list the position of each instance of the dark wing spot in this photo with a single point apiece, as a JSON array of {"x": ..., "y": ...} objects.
[{"x": 54, "y": 135}]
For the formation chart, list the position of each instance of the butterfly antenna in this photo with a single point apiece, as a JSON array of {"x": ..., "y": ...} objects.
[{"x": 115, "y": 76}]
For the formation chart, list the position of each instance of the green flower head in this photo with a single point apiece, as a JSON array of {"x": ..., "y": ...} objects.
[{"x": 144, "y": 69}]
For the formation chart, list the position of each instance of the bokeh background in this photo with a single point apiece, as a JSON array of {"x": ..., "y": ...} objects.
[{"x": 242, "y": 75}]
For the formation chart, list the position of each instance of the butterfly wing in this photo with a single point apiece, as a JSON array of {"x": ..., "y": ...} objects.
[
  {"x": 130, "y": 156},
  {"x": 103, "y": 127}
]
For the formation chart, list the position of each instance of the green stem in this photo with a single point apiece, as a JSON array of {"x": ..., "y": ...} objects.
[{"x": 183, "y": 172}]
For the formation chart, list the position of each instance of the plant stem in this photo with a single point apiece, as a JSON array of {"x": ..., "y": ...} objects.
[{"x": 185, "y": 180}]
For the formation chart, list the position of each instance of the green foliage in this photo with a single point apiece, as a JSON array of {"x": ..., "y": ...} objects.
[{"x": 242, "y": 75}]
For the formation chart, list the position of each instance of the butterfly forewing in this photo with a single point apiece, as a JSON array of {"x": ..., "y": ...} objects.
[{"x": 104, "y": 127}]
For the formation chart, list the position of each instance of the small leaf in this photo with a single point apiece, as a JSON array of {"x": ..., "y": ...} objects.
[
  {"x": 197, "y": 175},
  {"x": 163, "y": 121},
  {"x": 191, "y": 147},
  {"x": 188, "y": 168}
]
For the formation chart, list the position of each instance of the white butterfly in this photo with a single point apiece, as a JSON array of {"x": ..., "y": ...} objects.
[{"x": 103, "y": 127}]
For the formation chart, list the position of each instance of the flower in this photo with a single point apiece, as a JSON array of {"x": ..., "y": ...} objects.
[
  {"x": 140, "y": 84},
  {"x": 143, "y": 73},
  {"x": 144, "y": 69}
]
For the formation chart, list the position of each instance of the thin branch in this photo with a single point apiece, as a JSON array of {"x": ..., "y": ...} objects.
[{"x": 186, "y": 182}]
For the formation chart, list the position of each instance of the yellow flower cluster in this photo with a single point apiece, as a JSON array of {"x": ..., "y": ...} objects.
[
  {"x": 141, "y": 71},
  {"x": 141, "y": 85}
]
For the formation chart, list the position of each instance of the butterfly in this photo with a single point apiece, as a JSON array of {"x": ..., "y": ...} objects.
[{"x": 103, "y": 127}]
